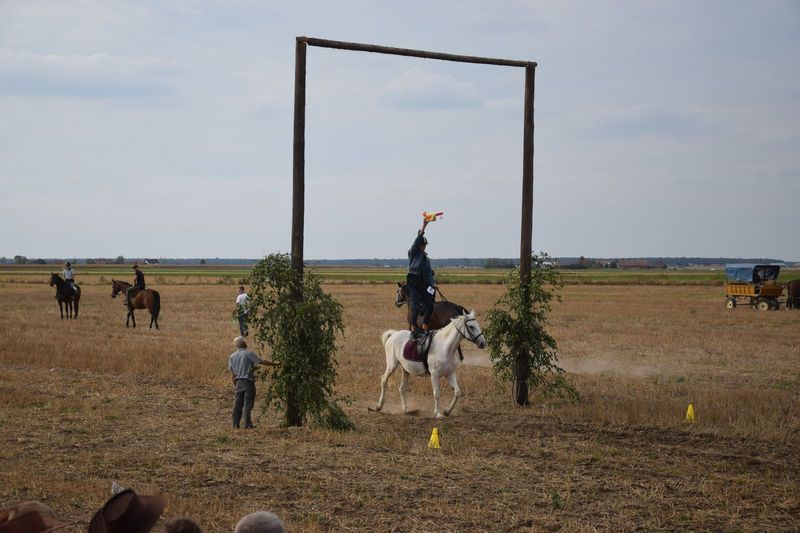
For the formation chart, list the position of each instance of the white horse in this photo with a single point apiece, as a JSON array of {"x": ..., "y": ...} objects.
[{"x": 442, "y": 358}]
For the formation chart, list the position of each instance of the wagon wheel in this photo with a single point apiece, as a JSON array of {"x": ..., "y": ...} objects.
[
  {"x": 730, "y": 303},
  {"x": 763, "y": 305}
]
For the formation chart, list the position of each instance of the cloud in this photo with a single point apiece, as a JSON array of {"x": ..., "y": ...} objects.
[
  {"x": 100, "y": 75},
  {"x": 645, "y": 119},
  {"x": 421, "y": 89}
]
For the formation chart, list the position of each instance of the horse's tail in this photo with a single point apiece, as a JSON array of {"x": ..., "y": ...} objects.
[
  {"x": 156, "y": 305},
  {"x": 385, "y": 336}
]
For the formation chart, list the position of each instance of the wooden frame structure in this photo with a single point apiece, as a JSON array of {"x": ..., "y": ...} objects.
[{"x": 298, "y": 167}]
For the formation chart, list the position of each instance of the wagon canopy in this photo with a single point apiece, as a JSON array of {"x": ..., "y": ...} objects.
[{"x": 750, "y": 273}]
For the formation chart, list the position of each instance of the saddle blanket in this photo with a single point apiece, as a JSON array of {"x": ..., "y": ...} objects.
[{"x": 410, "y": 351}]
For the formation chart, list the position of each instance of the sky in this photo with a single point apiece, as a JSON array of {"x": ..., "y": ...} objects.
[{"x": 164, "y": 129}]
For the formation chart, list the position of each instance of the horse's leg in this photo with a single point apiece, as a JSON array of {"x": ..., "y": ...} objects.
[
  {"x": 456, "y": 393},
  {"x": 128, "y": 319},
  {"x": 391, "y": 364},
  {"x": 61, "y": 309},
  {"x": 76, "y": 308},
  {"x": 69, "y": 309},
  {"x": 436, "y": 394},
  {"x": 403, "y": 387}
]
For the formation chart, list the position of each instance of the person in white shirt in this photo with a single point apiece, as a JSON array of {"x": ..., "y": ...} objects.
[
  {"x": 69, "y": 277},
  {"x": 240, "y": 310}
]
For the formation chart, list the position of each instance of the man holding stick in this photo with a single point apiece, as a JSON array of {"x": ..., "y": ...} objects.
[{"x": 241, "y": 364}]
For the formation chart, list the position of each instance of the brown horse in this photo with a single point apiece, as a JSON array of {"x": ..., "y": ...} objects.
[
  {"x": 146, "y": 299},
  {"x": 66, "y": 297},
  {"x": 793, "y": 294},
  {"x": 443, "y": 312}
]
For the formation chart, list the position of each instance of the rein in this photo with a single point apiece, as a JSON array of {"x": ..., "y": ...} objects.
[{"x": 440, "y": 293}]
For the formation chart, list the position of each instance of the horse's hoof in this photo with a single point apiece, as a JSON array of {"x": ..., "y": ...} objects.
[
  {"x": 447, "y": 413},
  {"x": 439, "y": 416},
  {"x": 373, "y": 409}
]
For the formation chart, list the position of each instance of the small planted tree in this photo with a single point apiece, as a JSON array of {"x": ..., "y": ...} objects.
[
  {"x": 290, "y": 313},
  {"x": 521, "y": 349}
]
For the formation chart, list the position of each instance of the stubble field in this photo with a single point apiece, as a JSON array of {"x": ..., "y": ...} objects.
[{"x": 86, "y": 402}]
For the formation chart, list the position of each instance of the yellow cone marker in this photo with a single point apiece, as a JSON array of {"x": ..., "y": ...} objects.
[
  {"x": 689, "y": 414},
  {"x": 434, "y": 442}
]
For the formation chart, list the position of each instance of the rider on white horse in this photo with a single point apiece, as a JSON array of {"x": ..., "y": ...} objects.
[
  {"x": 421, "y": 288},
  {"x": 443, "y": 357}
]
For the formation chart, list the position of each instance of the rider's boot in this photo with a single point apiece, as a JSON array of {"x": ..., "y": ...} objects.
[{"x": 423, "y": 347}]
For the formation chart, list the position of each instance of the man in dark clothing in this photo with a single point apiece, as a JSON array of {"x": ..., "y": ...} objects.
[
  {"x": 421, "y": 284},
  {"x": 138, "y": 284}
]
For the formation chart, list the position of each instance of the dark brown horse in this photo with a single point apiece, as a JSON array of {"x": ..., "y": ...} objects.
[
  {"x": 443, "y": 311},
  {"x": 793, "y": 294},
  {"x": 146, "y": 299},
  {"x": 66, "y": 297}
]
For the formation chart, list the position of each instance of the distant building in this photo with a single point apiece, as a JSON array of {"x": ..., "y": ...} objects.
[
  {"x": 151, "y": 261},
  {"x": 632, "y": 263},
  {"x": 639, "y": 264}
]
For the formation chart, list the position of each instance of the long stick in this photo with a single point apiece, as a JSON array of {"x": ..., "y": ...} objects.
[{"x": 359, "y": 47}]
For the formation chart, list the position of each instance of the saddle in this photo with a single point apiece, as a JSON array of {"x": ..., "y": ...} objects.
[{"x": 417, "y": 349}]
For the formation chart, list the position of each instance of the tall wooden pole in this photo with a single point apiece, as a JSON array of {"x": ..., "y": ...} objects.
[
  {"x": 526, "y": 234},
  {"x": 294, "y": 415},
  {"x": 299, "y": 156}
]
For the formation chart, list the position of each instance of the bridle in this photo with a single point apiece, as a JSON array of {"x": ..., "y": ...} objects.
[
  {"x": 400, "y": 293},
  {"x": 467, "y": 334}
]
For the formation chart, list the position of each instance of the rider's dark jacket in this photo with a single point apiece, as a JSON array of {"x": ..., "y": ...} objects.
[
  {"x": 419, "y": 266},
  {"x": 139, "y": 279}
]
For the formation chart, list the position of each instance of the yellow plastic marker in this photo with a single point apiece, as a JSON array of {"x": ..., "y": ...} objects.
[
  {"x": 689, "y": 414},
  {"x": 434, "y": 442}
]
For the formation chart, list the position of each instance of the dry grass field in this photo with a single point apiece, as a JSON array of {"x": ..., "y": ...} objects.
[{"x": 86, "y": 402}]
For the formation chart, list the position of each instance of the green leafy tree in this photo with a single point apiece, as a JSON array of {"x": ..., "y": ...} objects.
[
  {"x": 20, "y": 260},
  {"x": 291, "y": 314},
  {"x": 521, "y": 349},
  {"x": 119, "y": 260}
]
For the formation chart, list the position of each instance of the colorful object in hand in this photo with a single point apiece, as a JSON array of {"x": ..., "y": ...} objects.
[
  {"x": 434, "y": 442},
  {"x": 431, "y": 217}
]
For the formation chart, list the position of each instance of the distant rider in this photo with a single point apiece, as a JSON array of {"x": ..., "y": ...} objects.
[
  {"x": 69, "y": 277},
  {"x": 138, "y": 284},
  {"x": 421, "y": 283}
]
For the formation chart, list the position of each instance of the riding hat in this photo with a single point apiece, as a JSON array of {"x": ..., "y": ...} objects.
[
  {"x": 127, "y": 512},
  {"x": 68, "y": 264},
  {"x": 135, "y": 266}
]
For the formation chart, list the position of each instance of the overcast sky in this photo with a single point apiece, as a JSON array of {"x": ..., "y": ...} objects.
[{"x": 163, "y": 129}]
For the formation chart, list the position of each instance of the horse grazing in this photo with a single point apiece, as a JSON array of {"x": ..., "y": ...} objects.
[
  {"x": 442, "y": 359},
  {"x": 146, "y": 299},
  {"x": 442, "y": 311},
  {"x": 66, "y": 297},
  {"x": 793, "y": 294}
]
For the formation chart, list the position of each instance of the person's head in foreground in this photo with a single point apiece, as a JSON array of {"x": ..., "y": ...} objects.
[
  {"x": 260, "y": 522},
  {"x": 28, "y": 517},
  {"x": 182, "y": 525},
  {"x": 239, "y": 342},
  {"x": 127, "y": 512}
]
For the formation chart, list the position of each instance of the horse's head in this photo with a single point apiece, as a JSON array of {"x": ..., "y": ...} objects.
[
  {"x": 402, "y": 294},
  {"x": 116, "y": 288},
  {"x": 467, "y": 325},
  {"x": 53, "y": 278}
]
